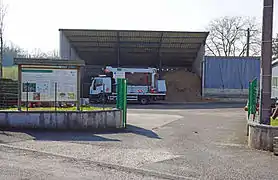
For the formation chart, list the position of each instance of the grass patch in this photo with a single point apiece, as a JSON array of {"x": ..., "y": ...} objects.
[
  {"x": 87, "y": 108},
  {"x": 274, "y": 122},
  {"x": 10, "y": 72}
]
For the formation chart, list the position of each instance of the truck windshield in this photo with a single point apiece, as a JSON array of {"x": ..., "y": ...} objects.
[{"x": 98, "y": 82}]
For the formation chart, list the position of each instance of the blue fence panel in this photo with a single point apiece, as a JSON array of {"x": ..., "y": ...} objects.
[{"x": 230, "y": 72}]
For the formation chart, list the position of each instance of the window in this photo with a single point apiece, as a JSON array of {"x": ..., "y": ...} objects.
[{"x": 98, "y": 82}]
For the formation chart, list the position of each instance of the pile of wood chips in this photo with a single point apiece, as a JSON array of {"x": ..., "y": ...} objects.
[{"x": 183, "y": 86}]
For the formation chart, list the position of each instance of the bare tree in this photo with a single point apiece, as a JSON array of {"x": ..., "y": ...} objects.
[
  {"x": 53, "y": 54},
  {"x": 3, "y": 12},
  {"x": 10, "y": 52},
  {"x": 38, "y": 53},
  {"x": 228, "y": 37}
]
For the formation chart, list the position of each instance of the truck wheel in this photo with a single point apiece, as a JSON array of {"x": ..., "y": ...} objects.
[{"x": 144, "y": 100}]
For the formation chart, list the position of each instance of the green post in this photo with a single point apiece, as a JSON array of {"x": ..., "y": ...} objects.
[
  {"x": 124, "y": 100},
  {"x": 252, "y": 97},
  {"x": 121, "y": 98}
]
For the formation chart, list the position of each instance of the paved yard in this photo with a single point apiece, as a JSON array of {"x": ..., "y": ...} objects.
[{"x": 203, "y": 141}]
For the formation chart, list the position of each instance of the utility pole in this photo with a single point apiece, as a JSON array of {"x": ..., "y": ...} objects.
[
  {"x": 266, "y": 69},
  {"x": 248, "y": 42},
  {"x": 1, "y": 53}
]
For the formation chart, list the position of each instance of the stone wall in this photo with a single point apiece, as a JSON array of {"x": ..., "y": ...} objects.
[
  {"x": 110, "y": 119},
  {"x": 261, "y": 136}
]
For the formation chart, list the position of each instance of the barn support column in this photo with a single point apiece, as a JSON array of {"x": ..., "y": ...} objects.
[
  {"x": 197, "y": 64},
  {"x": 66, "y": 51},
  {"x": 118, "y": 49},
  {"x": 159, "y": 55},
  {"x": 160, "y": 66}
]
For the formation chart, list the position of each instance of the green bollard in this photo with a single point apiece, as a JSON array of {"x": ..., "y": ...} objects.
[
  {"x": 122, "y": 98},
  {"x": 252, "y": 97}
]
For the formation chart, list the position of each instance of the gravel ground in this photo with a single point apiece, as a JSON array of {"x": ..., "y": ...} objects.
[{"x": 201, "y": 141}]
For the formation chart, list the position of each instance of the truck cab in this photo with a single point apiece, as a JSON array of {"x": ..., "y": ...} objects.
[{"x": 99, "y": 85}]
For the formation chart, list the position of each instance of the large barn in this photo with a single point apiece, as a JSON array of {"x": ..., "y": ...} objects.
[{"x": 130, "y": 48}]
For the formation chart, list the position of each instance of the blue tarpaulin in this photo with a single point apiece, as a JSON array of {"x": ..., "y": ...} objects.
[{"x": 230, "y": 72}]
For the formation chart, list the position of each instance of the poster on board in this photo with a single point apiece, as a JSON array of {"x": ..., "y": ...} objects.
[{"x": 40, "y": 84}]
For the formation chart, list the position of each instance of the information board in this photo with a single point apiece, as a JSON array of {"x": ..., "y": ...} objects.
[{"x": 41, "y": 83}]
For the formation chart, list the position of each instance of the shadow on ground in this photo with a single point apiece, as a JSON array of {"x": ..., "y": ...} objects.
[
  {"x": 13, "y": 135},
  {"x": 66, "y": 136},
  {"x": 142, "y": 131}
]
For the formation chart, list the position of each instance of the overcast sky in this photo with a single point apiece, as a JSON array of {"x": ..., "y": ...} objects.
[{"x": 35, "y": 23}]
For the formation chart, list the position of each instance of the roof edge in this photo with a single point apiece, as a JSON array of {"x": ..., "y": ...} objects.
[
  {"x": 119, "y": 30},
  {"x": 47, "y": 62},
  {"x": 230, "y": 57}
]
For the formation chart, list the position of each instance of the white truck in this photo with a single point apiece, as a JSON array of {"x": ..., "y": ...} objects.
[{"x": 142, "y": 85}]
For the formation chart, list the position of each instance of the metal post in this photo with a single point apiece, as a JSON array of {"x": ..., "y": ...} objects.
[
  {"x": 78, "y": 89},
  {"x": 124, "y": 103},
  {"x": 27, "y": 97},
  {"x": 203, "y": 78},
  {"x": 266, "y": 68},
  {"x": 55, "y": 96},
  {"x": 103, "y": 96},
  {"x": 82, "y": 96},
  {"x": 122, "y": 98},
  {"x": 19, "y": 90},
  {"x": 82, "y": 88},
  {"x": 118, "y": 104},
  {"x": 248, "y": 42}
]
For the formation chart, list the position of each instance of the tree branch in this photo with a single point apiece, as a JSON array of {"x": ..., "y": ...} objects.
[{"x": 228, "y": 33}]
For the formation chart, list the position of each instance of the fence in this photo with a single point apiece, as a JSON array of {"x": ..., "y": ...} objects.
[
  {"x": 8, "y": 93},
  {"x": 33, "y": 100}
]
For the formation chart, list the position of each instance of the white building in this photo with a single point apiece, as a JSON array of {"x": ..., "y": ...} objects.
[{"x": 274, "y": 92}]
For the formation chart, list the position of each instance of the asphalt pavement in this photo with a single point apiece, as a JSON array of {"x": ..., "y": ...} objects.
[{"x": 162, "y": 141}]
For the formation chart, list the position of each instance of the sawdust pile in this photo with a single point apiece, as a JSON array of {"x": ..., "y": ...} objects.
[{"x": 183, "y": 86}]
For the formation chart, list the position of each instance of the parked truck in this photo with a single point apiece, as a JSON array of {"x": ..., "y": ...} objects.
[{"x": 143, "y": 85}]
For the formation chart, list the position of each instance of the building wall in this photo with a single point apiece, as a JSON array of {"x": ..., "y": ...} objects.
[
  {"x": 229, "y": 77},
  {"x": 274, "y": 92},
  {"x": 65, "y": 50}
]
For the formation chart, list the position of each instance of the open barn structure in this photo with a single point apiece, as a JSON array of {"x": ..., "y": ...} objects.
[{"x": 133, "y": 48}]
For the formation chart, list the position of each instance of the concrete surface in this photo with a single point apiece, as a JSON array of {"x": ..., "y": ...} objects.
[
  {"x": 62, "y": 120},
  {"x": 261, "y": 136},
  {"x": 190, "y": 142}
]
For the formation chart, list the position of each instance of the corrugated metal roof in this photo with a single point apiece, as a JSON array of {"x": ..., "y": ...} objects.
[{"x": 136, "y": 45}]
